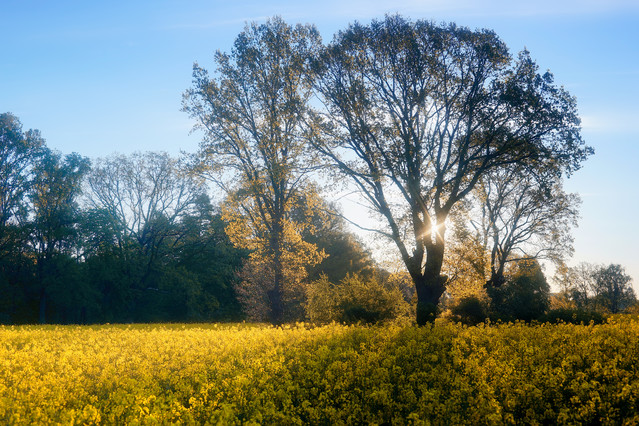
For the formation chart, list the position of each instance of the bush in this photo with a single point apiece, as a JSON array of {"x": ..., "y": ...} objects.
[
  {"x": 355, "y": 299},
  {"x": 524, "y": 296},
  {"x": 573, "y": 316},
  {"x": 470, "y": 311}
]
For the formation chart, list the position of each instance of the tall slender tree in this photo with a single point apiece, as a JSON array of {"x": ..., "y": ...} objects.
[
  {"x": 19, "y": 152},
  {"x": 253, "y": 112},
  {"x": 54, "y": 196}
]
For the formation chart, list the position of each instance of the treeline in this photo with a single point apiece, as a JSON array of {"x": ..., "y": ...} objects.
[
  {"x": 587, "y": 293},
  {"x": 122, "y": 239},
  {"x": 74, "y": 251},
  {"x": 137, "y": 239}
]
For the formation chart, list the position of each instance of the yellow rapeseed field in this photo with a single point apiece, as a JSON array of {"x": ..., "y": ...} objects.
[{"x": 334, "y": 374}]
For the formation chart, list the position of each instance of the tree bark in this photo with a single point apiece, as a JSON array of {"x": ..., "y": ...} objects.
[
  {"x": 275, "y": 294},
  {"x": 42, "y": 314},
  {"x": 275, "y": 300},
  {"x": 430, "y": 285},
  {"x": 429, "y": 291}
]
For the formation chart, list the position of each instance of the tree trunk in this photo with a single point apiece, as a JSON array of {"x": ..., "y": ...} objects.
[
  {"x": 497, "y": 278},
  {"x": 275, "y": 295},
  {"x": 42, "y": 310},
  {"x": 429, "y": 291},
  {"x": 430, "y": 286},
  {"x": 275, "y": 300},
  {"x": 42, "y": 315}
]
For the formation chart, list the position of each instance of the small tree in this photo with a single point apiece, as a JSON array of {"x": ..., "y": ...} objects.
[{"x": 614, "y": 288}]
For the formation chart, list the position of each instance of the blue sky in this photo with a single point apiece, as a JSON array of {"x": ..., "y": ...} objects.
[{"x": 101, "y": 77}]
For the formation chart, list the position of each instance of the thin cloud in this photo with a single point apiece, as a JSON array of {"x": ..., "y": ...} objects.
[{"x": 611, "y": 121}]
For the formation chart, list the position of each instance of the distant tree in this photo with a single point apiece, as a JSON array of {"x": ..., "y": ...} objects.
[
  {"x": 418, "y": 113},
  {"x": 579, "y": 285},
  {"x": 54, "y": 194},
  {"x": 525, "y": 216},
  {"x": 145, "y": 194},
  {"x": 152, "y": 241},
  {"x": 253, "y": 113},
  {"x": 19, "y": 151},
  {"x": 613, "y": 288}
]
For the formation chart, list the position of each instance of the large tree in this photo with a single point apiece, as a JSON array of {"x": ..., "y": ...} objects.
[
  {"x": 146, "y": 194},
  {"x": 253, "y": 112},
  {"x": 147, "y": 217},
  {"x": 418, "y": 113},
  {"x": 20, "y": 150}
]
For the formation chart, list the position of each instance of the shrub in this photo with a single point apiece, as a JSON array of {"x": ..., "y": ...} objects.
[
  {"x": 524, "y": 296},
  {"x": 470, "y": 311},
  {"x": 354, "y": 299},
  {"x": 573, "y": 316}
]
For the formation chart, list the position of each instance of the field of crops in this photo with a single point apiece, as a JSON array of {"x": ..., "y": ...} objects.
[{"x": 232, "y": 374}]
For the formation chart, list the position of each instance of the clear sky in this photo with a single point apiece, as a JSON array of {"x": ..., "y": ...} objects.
[{"x": 100, "y": 77}]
